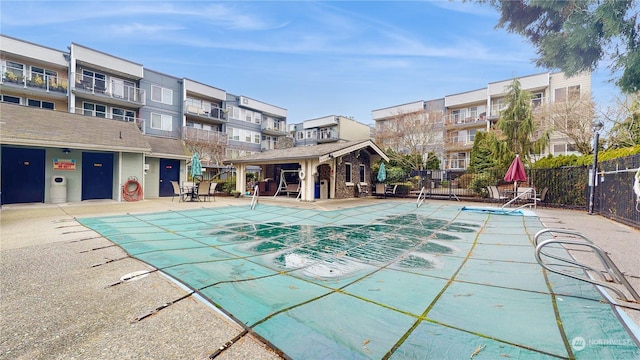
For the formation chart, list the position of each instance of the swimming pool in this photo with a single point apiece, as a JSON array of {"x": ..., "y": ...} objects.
[{"x": 383, "y": 281}]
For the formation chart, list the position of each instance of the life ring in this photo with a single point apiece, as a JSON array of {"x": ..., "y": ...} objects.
[
  {"x": 132, "y": 190},
  {"x": 301, "y": 174}
]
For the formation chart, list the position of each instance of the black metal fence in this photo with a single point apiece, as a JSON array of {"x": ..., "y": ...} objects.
[
  {"x": 614, "y": 196},
  {"x": 567, "y": 187}
]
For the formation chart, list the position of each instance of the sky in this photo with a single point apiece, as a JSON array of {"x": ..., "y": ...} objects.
[{"x": 313, "y": 58}]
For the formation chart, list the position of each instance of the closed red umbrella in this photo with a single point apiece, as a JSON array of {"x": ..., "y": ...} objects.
[{"x": 516, "y": 172}]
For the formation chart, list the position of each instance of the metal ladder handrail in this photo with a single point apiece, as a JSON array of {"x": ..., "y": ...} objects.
[
  {"x": 421, "y": 197},
  {"x": 605, "y": 260},
  {"x": 528, "y": 192},
  {"x": 254, "y": 198}
]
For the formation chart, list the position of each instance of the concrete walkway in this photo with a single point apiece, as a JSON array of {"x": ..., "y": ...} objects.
[{"x": 55, "y": 303}]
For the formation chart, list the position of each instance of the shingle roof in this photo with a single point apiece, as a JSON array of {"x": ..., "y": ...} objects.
[
  {"x": 167, "y": 147},
  {"x": 307, "y": 152},
  {"x": 24, "y": 125}
]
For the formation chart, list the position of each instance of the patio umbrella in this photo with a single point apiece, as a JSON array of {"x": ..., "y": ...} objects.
[
  {"x": 516, "y": 172},
  {"x": 196, "y": 166},
  {"x": 382, "y": 173}
]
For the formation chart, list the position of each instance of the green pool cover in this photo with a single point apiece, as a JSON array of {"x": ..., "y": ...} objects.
[{"x": 383, "y": 281}]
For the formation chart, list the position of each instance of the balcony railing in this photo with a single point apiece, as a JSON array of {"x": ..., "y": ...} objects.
[
  {"x": 459, "y": 142},
  {"x": 112, "y": 88},
  {"x": 213, "y": 113},
  {"x": 206, "y": 136},
  {"x": 267, "y": 145},
  {"x": 36, "y": 81},
  {"x": 272, "y": 125},
  {"x": 330, "y": 135},
  {"x": 110, "y": 116},
  {"x": 458, "y": 119}
]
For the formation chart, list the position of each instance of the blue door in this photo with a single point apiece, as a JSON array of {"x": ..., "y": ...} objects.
[
  {"x": 22, "y": 175},
  {"x": 97, "y": 176},
  {"x": 169, "y": 171}
]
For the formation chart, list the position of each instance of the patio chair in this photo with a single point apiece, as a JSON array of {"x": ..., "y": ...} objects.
[
  {"x": 177, "y": 191},
  {"x": 543, "y": 194},
  {"x": 203, "y": 189},
  {"x": 391, "y": 190},
  {"x": 380, "y": 190},
  {"x": 362, "y": 190},
  {"x": 495, "y": 195},
  {"x": 212, "y": 190}
]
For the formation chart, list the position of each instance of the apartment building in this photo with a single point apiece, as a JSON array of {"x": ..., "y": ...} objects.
[
  {"x": 175, "y": 115},
  {"x": 467, "y": 113},
  {"x": 479, "y": 110},
  {"x": 328, "y": 129},
  {"x": 416, "y": 126}
]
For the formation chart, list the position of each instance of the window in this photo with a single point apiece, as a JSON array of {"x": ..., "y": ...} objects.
[
  {"x": 256, "y": 138},
  {"x": 121, "y": 114},
  {"x": 15, "y": 69},
  {"x": 94, "y": 80},
  {"x": 48, "y": 76},
  {"x": 161, "y": 121},
  {"x": 40, "y": 104},
  {"x": 161, "y": 95},
  {"x": 10, "y": 99},
  {"x": 560, "y": 95},
  {"x": 347, "y": 172},
  {"x": 257, "y": 118},
  {"x": 300, "y": 135},
  {"x": 362, "y": 174},
  {"x": 574, "y": 92},
  {"x": 536, "y": 100},
  {"x": 97, "y": 110}
]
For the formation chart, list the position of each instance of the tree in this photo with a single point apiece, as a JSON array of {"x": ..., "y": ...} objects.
[
  {"x": 210, "y": 145},
  {"x": 625, "y": 117},
  {"x": 575, "y": 35},
  {"x": 517, "y": 124},
  {"x": 409, "y": 137},
  {"x": 572, "y": 118}
]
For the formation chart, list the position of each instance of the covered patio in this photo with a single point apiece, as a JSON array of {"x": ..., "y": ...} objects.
[{"x": 343, "y": 168}]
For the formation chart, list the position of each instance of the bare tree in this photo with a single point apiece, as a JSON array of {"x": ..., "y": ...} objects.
[
  {"x": 209, "y": 145},
  {"x": 411, "y": 133},
  {"x": 624, "y": 121},
  {"x": 572, "y": 119}
]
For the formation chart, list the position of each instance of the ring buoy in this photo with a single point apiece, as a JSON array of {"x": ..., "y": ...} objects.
[{"x": 301, "y": 174}]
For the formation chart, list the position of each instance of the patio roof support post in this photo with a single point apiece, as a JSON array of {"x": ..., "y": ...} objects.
[
  {"x": 308, "y": 183},
  {"x": 241, "y": 178}
]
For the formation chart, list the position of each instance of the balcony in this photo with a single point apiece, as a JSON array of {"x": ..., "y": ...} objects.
[
  {"x": 273, "y": 127},
  {"x": 204, "y": 136},
  {"x": 462, "y": 121},
  {"x": 46, "y": 85},
  {"x": 211, "y": 115},
  {"x": 110, "y": 116},
  {"x": 109, "y": 91},
  {"x": 456, "y": 143},
  {"x": 327, "y": 136}
]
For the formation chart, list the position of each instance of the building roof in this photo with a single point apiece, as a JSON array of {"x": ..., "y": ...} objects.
[
  {"x": 29, "y": 126},
  {"x": 323, "y": 152},
  {"x": 167, "y": 147}
]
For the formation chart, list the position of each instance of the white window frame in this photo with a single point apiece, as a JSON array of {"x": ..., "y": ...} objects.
[
  {"x": 40, "y": 103},
  {"x": 161, "y": 95},
  {"x": 93, "y": 109},
  {"x": 166, "y": 121}
]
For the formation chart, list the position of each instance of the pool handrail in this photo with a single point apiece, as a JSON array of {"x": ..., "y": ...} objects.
[
  {"x": 421, "y": 197},
  {"x": 527, "y": 193},
  {"x": 608, "y": 264},
  {"x": 254, "y": 198}
]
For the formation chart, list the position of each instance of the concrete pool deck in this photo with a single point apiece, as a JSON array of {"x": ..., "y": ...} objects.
[{"x": 55, "y": 304}]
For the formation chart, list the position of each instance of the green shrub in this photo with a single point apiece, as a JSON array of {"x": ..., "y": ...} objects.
[{"x": 479, "y": 183}]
